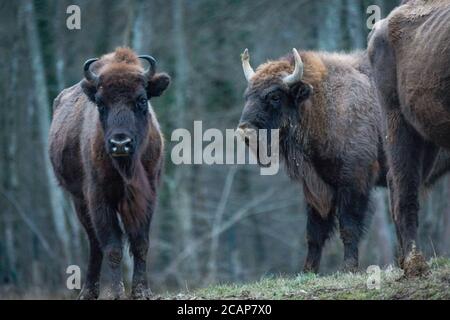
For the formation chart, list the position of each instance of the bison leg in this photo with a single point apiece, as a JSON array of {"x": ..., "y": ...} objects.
[
  {"x": 109, "y": 234},
  {"x": 318, "y": 230},
  {"x": 392, "y": 198},
  {"x": 139, "y": 248},
  {"x": 352, "y": 209},
  {"x": 406, "y": 152},
  {"x": 91, "y": 287}
]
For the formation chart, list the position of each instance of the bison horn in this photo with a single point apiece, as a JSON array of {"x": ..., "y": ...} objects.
[
  {"x": 248, "y": 70},
  {"x": 297, "y": 75},
  {"x": 152, "y": 62},
  {"x": 88, "y": 74}
]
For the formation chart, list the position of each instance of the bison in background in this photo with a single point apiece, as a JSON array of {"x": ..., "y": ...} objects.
[
  {"x": 410, "y": 56},
  {"x": 106, "y": 149},
  {"x": 330, "y": 138}
]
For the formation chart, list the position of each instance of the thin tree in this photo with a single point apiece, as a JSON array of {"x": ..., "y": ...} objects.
[{"x": 43, "y": 110}]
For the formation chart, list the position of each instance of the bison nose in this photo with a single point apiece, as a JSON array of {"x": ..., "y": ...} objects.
[
  {"x": 243, "y": 125},
  {"x": 121, "y": 145},
  {"x": 245, "y": 129}
]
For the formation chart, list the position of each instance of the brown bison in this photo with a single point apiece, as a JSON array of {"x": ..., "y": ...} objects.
[
  {"x": 330, "y": 134},
  {"x": 106, "y": 149},
  {"x": 410, "y": 56}
]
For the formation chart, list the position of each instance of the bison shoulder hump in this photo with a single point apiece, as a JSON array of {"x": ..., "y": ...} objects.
[{"x": 68, "y": 95}]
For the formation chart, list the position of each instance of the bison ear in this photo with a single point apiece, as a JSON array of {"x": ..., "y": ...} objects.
[
  {"x": 301, "y": 92},
  {"x": 157, "y": 84},
  {"x": 89, "y": 89}
]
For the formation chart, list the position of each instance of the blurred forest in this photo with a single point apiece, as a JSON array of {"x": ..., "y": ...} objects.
[{"x": 214, "y": 223}]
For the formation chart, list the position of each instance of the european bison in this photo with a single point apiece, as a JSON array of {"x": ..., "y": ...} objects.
[
  {"x": 106, "y": 149},
  {"x": 330, "y": 138},
  {"x": 410, "y": 56}
]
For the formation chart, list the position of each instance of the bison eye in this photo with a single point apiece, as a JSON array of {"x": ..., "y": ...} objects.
[
  {"x": 142, "y": 104},
  {"x": 274, "y": 98}
]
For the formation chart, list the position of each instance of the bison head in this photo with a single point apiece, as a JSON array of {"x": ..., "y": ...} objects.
[
  {"x": 273, "y": 96},
  {"x": 121, "y": 89}
]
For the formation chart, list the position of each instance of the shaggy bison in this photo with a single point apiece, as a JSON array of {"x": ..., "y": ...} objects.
[
  {"x": 330, "y": 138},
  {"x": 410, "y": 56},
  {"x": 106, "y": 149}
]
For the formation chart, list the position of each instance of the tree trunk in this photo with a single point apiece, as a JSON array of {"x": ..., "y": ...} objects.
[
  {"x": 183, "y": 193},
  {"x": 217, "y": 224},
  {"x": 355, "y": 24},
  {"x": 43, "y": 110},
  {"x": 330, "y": 33},
  {"x": 137, "y": 39}
]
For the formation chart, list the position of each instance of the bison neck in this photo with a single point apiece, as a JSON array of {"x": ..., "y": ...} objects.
[{"x": 296, "y": 151}]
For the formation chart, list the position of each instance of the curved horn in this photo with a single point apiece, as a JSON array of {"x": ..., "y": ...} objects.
[
  {"x": 297, "y": 75},
  {"x": 88, "y": 74},
  {"x": 248, "y": 70},
  {"x": 152, "y": 62}
]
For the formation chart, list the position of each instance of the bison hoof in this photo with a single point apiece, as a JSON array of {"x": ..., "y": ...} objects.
[
  {"x": 116, "y": 292},
  {"x": 310, "y": 269},
  {"x": 89, "y": 293},
  {"x": 141, "y": 292},
  {"x": 414, "y": 265},
  {"x": 350, "y": 267}
]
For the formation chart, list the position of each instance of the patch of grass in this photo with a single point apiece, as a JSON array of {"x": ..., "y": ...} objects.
[{"x": 339, "y": 286}]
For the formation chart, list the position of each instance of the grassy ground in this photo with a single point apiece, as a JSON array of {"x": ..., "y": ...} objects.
[
  {"x": 436, "y": 285},
  {"x": 339, "y": 286}
]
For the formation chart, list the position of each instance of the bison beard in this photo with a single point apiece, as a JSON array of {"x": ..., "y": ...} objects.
[
  {"x": 136, "y": 200},
  {"x": 260, "y": 147},
  {"x": 127, "y": 168}
]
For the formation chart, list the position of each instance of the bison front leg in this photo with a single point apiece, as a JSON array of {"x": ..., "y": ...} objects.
[
  {"x": 318, "y": 230},
  {"x": 406, "y": 151},
  {"x": 139, "y": 248},
  {"x": 352, "y": 209},
  {"x": 91, "y": 287},
  {"x": 109, "y": 234}
]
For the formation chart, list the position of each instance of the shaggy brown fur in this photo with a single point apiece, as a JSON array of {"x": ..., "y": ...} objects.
[
  {"x": 330, "y": 140},
  {"x": 104, "y": 186},
  {"x": 410, "y": 55}
]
